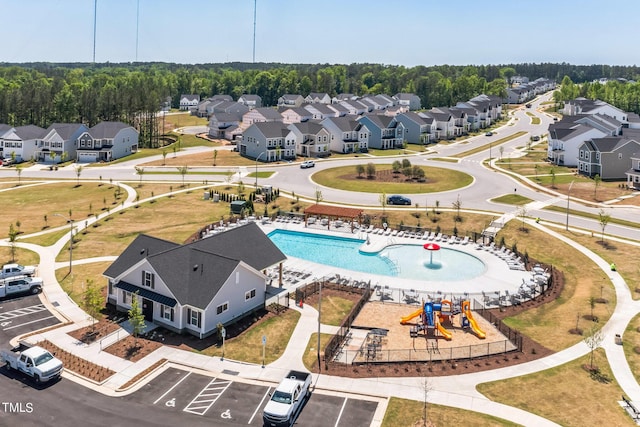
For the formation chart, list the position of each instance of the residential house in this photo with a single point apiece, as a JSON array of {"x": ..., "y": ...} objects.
[
  {"x": 312, "y": 139},
  {"x": 460, "y": 123},
  {"x": 343, "y": 97},
  {"x": 251, "y": 101},
  {"x": 580, "y": 106},
  {"x": 225, "y": 125},
  {"x": 229, "y": 107},
  {"x": 373, "y": 103},
  {"x": 347, "y": 135},
  {"x": 444, "y": 123},
  {"x": 295, "y": 115},
  {"x": 262, "y": 114},
  {"x": 320, "y": 111},
  {"x": 192, "y": 288},
  {"x": 189, "y": 102},
  {"x": 59, "y": 142},
  {"x": 318, "y": 98},
  {"x": 222, "y": 97},
  {"x": 268, "y": 141},
  {"x": 608, "y": 157},
  {"x": 290, "y": 100},
  {"x": 354, "y": 108},
  {"x": 417, "y": 129},
  {"x": 106, "y": 141},
  {"x": 408, "y": 100},
  {"x": 340, "y": 110},
  {"x": 395, "y": 110},
  {"x": 20, "y": 142},
  {"x": 386, "y": 132},
  {"x": 633, "y": 174}
]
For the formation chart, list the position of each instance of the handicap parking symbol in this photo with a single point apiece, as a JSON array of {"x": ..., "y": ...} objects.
[
  {"x": 171, "y": 403},
  {"x": 226, "y": 414}
]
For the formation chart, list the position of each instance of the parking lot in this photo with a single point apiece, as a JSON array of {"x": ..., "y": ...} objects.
[
  {"x": 236, "y": 403},
  {"x": 22, "y": 315}
]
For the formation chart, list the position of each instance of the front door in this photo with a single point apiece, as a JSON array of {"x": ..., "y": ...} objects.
[{"x": 147, "y": 309}]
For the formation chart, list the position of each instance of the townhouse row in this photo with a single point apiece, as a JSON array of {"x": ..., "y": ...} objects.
[
  {"x": 597, "y": 138},
  {"x": 60, "y": 142}
]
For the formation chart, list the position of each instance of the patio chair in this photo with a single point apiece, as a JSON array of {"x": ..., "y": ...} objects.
[
  {"x": 438, "y": 237},
  {"x": 465, "y": 241}
]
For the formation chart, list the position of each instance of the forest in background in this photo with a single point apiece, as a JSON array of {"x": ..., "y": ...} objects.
[{"x": 45, "y": 93}]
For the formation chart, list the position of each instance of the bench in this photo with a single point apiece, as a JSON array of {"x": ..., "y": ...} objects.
[{"x": 632, "y": 409}]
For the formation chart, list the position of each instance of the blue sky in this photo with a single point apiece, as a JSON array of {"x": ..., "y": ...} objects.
[{"x": 397, "y": 32}]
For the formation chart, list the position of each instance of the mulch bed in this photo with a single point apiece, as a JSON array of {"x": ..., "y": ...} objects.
[{"x": 78, "y": 365}]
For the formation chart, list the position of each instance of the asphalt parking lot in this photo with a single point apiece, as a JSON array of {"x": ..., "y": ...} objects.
[
  {"x": 237, "y": 403},
  {"x": 22, "y": 315}
]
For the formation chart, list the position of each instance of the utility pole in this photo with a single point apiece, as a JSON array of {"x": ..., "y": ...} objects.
[
  {"x": 255, "y": 3},
  {"x": 95, "y": 20},
  {"x": 138, "y": 29}
]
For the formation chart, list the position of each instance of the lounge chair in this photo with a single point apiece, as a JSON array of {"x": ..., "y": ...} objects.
[
  {"x": 438, "y": 237},
  {"x": 465, "y": 241},
  {"x": 400, "y": 233}
]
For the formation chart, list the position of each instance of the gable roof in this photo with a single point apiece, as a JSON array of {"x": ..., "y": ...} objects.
[
  {"x": 107, "y": 129},
  {"x": 64, "y": 130},
  {"x": 190, "y": 97},
  {"x": 272, "y": 129},
  {"x": 195, "y": 272},
  {"x": 29, "y": 132},
  {"x": 268, "y": 113}
]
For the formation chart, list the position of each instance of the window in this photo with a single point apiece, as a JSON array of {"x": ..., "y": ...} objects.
[
  {"x": 166, "y": 312},
  {"x": 126, "y": 297},
  {"x": 148, "y": 279},
  {"x": 194, "y": 317},
  {"x": 250, "y": 295},
  {"x": 222, "y": 308}
]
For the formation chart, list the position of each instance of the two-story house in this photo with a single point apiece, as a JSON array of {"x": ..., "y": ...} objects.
[
  {"x": 262, "y": 114},
  {"x": 290, "y": 100},
  {"x": 295, "y": 115},
  {"x": 20, "y": 143},
  {"x": 194, "y": 287},
  {"x": 268, "y": 142},
  {"x": 569, "y": 133},
  {"x": 347, "y": 135},
  {"x": 320, "y": 111},
  {"x": 417, "y": 129},
  {"x": 385, "y": 132},
  {"x": 59, "y": 142},
  {"x": 106, "y": 141},
  {"x": 318, "y": 98},
  {"x": 312, "y": 139},
  {"x": 608, "y": 157},
  {"x": 408, "y": 100},
  {"x": 189, "y": 102},
  {"x": 251, "y": 101},
  {"x": 225, "y": 125},
  {"x": 633, "y": 173}
]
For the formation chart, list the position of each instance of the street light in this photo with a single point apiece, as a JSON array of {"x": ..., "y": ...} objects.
[
  {"x": 70, "y": 221},
  {"x": 568, "y": 193},
  {"x": 258, "y": 158}
]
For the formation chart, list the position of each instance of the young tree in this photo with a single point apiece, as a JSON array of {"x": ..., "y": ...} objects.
[
  {"x": 426, "y": 388},
  {"x": 396, "y": 166},
  {"x": 383, "y": 201},
  {"x": 318, "y": 195},
  {"x": 52, "y": 156},
  {"x": 19, "y": 172},
  {"x": 501, "y": 151},
  {"x": 406, "y": 163},
  {"x": 592, "y": 304},
  {"x": 92, "y": 302},
  {"x": 457, "y": 205},
  {"x": 136, "y": 318},
  {"x": 359, "y": 169},
  {"x": 603, "y": 218},
  {"x": 140, "y": 172},
  {"x": 215, "y": 156},
  {"x": 164, "y": 156},
  {"x": 596, "y": 183},
  {"x": 371, "y": 170},
  {"x": 522, "y": 213},
  {"x": 183, "y": 171},
  {"x": 593, "y": 340},
  {"x": 78, "y": 170},
  {"x": 552, "y": 172},
  {"x": 13, "y": 238}
]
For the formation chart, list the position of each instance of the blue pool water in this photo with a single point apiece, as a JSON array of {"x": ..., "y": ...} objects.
[{"x": 406, "y": 261}]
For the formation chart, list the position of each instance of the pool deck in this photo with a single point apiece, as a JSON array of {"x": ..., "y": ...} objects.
[{"x": 498, "y": 282}]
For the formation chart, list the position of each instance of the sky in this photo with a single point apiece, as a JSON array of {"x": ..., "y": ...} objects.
[{"x": 390, "y": 32}]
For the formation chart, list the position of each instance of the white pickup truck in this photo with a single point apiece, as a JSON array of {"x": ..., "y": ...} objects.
[
  {"x": 35, "y": 361},
  {"x": 20, "y": 285},
  {"x": 12, "y": 270},
  {"x": 287, "y": 400}
]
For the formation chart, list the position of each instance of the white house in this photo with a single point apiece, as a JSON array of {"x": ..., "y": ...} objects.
[
  {"x": 192, "y": 288},
  {"x": 189, "y": 102},
  {"x": 20, "y": 142},
  {"x": 59, "y": 142},
  {"x": 347, "y": 135}
]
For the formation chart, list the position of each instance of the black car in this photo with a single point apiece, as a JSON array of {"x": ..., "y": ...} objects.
[{"x": 398, "y": 200}]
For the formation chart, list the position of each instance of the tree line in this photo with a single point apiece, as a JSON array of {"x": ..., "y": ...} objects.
[{"x": 44, "y": 93}]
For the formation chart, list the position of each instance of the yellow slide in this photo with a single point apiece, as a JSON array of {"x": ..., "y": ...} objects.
[
  {"x": 404, "y": 320},
  {"x": 445, "y": 333},
  {"x": 474, "y": 325}
]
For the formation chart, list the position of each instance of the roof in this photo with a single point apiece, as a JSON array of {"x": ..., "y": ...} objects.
[
  {"x": 268, "y": 113},
  {"x": 272, "y": 129},
  {"x": 251, "y": 97},
  {"x": 335, "y": 211},
  {"x": 105, "y": 130},
  {"x": 195, "y": 272},
  {"x": 308, "y": 128},
  {"x": 29, "y": 132},
  {"x": 64, "y": 130},
  {"x": 190, "y": 97}
]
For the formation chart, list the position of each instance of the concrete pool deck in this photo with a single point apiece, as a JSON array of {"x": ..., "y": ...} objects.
[{"x": 498, "y": 279}]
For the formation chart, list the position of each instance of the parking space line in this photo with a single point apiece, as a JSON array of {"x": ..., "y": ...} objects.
[
  {"x": 211, "y": 394},
  {"x": 22, "y": 312},
  {"x": 259, "y": 405},
  {"x": 172, "y": 387},
  {"x": 28, "y": 323},
  {"x": 341, "y": 411}
]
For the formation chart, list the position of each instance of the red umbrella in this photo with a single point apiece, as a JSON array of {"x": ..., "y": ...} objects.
[{"x": 431, "y": 247}]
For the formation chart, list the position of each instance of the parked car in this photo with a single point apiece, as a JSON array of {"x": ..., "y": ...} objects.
[
  {"x": 307, "y": 164},
  {"x": 20, "y": 285},
  {"x": 36, "y": 362},
  {"x": 398, "y": 200},
  {"x": 528, "y": 105},
  {"x": 12, "y": 270},
  {"x": 287, "y": 400},
  {"x": 488, "y": 133}
]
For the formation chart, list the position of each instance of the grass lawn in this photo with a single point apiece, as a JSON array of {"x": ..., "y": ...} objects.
[
  {"x": 223, "y": 158},
  {"x": 512, "y": 199},
  {"x": 47, "y": 239},
  {"x": 30, "y": 205},
  {"x": 407, "y": 413},
  {"x": 22, "y": 256},
  {"x": 334, "y": 309},
  {"x": 261, "y": 174},
  {"x": 173, "y": 121},
  {"x": 565, "y": 394},
  {"x": 486, "y": 146},
  {"x": 631, "y": 345},
  {"x": 311, "y": 353},
  {"x": 534, "y": 119},
  {"x": 76, "y": 283},
  {"x": 248, "y": 346},
  {"x": 550, "y": 324},
  {"x": 438, "y": 179}
]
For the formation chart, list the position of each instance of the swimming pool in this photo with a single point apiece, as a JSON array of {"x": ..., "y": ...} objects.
[{"x": 407, "y": 261}]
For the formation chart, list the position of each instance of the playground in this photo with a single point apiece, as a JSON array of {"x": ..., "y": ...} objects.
[{"x": 453, "y": 340}]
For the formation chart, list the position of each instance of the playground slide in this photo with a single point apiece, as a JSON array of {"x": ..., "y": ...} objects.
[
  {"x": 445, "y": 333},
  {"x": 404, "y": 320},
  {"x": 472, "y": 322}
]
